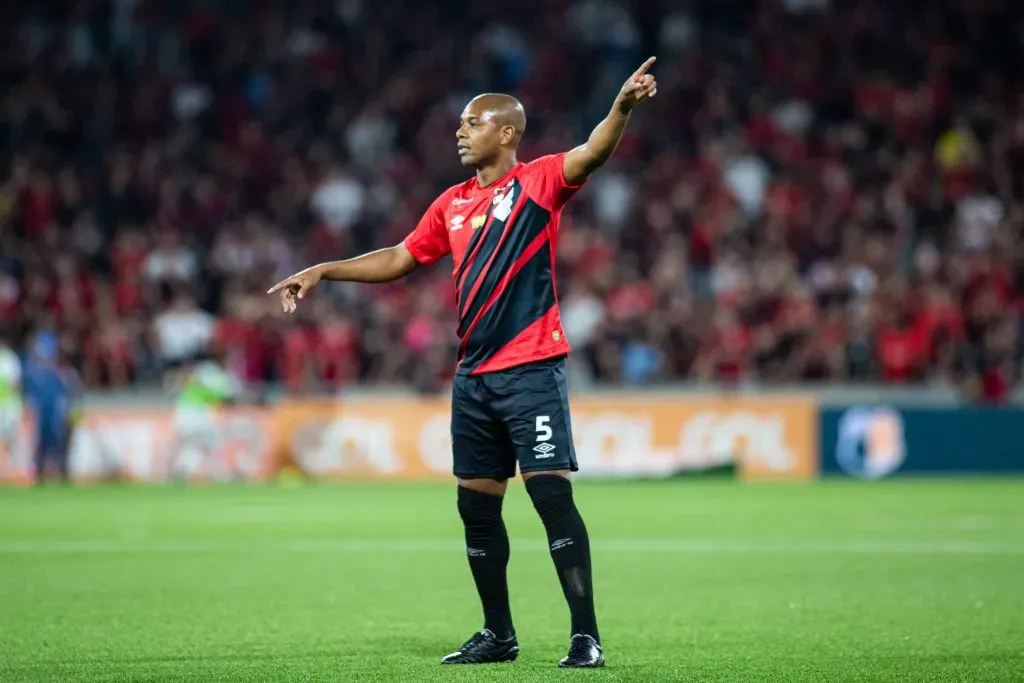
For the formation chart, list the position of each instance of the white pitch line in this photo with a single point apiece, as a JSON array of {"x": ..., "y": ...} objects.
[{"x": 679, "y": 546}]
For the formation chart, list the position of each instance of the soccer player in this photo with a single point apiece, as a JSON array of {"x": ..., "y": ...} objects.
[
  {"x": 53, "y": 390},
  {"x": 509, "y": 399},
  {"x": 206, "y": 386},
  {"x": 10, "y": 399}
]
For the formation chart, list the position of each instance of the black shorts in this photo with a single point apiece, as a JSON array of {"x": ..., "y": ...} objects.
[{"x": 515, "y": 415}]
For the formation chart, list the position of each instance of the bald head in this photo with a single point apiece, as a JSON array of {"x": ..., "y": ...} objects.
[
  {"x": 490, "y": 129},
  {"x": 503, "y": 109}
]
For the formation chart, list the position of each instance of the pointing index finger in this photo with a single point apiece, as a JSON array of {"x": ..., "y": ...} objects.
[{"x": 644, "y": 67}]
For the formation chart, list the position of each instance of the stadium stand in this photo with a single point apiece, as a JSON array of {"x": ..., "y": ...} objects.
[{"x": 822, "y": 191}]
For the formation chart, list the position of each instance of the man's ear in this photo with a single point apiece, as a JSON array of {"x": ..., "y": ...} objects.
[{"x": 508, "y": 134}]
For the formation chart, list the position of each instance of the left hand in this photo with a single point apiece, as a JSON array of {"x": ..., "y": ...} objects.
[{"x": 638, "y": 87}]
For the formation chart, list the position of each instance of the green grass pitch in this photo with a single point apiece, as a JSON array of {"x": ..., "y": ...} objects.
[{"x": 698, "y": 580}]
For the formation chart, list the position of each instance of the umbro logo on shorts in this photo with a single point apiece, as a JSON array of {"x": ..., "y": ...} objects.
[{"x": 544, "y": 451}]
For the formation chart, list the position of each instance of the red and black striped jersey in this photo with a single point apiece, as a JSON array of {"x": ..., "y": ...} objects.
[{"x": 502, "y": 239}]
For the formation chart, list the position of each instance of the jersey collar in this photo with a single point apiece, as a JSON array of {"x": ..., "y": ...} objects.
[{"x": 476, "y": 187}]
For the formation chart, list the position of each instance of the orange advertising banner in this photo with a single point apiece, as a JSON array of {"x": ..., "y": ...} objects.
[{"x": 767, "y": 437}]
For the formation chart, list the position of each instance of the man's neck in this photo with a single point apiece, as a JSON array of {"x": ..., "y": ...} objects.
[{"x": 487, "y": 175}]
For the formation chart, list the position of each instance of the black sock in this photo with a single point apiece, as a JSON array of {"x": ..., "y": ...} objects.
[
  {"x": 488, "y": 552},
  {"x": 570, "y": 547}
]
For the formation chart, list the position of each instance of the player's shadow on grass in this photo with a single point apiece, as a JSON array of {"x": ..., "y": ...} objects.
[{"x": 430, "y": 647}]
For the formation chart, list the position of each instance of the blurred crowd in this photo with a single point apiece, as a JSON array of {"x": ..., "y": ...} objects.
[{"x": 823, "y": 190}]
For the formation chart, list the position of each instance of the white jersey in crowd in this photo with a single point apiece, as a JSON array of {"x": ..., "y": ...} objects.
[
  {"x": 10, "y": 393},
  {"x": 10, "y": 378}
]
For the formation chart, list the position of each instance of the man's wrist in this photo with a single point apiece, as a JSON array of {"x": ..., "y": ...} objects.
[
  {"x": 320, "y": 271},
  {"x": 621, "y": 109}
]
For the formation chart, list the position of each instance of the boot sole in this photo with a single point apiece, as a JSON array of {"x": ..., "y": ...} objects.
[{"x": 509, "y": 656}]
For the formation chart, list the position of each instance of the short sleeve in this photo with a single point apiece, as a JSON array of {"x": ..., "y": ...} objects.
[
  {"x": 547, "y": 180},
  {"x": 428, "y": 243}
]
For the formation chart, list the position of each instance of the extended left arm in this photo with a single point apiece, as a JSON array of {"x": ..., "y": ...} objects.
[{"x": 588, "y": 157}]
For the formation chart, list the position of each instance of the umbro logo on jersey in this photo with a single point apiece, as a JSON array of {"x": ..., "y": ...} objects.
[{"x": 456, "y": 223}]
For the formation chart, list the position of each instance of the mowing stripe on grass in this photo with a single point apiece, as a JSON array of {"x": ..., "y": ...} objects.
[{"x": 632, "y": 545}]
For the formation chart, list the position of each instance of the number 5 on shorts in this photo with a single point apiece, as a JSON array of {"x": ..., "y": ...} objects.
[{"x": 544, "y": 432}]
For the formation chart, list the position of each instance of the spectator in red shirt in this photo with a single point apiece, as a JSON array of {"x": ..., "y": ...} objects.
[
  {"x": 900, "y": 353},
  {"x": 335, "y": 349}
]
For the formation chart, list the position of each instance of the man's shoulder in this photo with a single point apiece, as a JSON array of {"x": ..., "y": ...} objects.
[
  {"x": 544, "y": 179},
  {"x": 455, "y": 191},
  {"x": 544, "y": 171},
  {"x": 543, "y": 163}
]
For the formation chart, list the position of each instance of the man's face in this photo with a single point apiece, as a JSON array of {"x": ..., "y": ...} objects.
[{"x": 480, "y": 135}]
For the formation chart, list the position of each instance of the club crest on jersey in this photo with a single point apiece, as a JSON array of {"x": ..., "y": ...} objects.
[
  {"x": 478, "y": 221},
  {"x": 499, "y": 193},
  {"x": 504, "y": 204}
]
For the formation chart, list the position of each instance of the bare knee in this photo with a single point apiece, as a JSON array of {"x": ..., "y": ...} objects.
[
  {"x": 557, "y": 473},
  {"x": 492, "y": 487}
]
